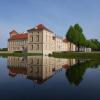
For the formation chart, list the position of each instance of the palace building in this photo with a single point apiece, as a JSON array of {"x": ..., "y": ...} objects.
[
  {"x": 38, "y": 40},
  {"x": 17, "y": 42}
]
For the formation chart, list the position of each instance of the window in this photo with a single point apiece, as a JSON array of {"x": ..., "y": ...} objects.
[
  {"x": 37, "y": 47},
  {"x": 53, "y": 37},
  {"x": 37, "y": 38},
  {"x": 31, "y": 47},
  {"x": 31, "y": 61},
  {"x": 24, "y": 41},
  {"x": 31, "y": 38},
  {"x": 37, "y": 61}
]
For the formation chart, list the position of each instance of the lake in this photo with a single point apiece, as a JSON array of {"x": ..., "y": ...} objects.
[{"x": 48, "y": 78}]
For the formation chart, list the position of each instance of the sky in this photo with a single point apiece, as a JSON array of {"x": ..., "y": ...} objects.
[{"x": 57, "y": 15}]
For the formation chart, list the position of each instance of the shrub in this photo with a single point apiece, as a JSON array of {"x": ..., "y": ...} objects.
[{"x": 17, "y": 51}]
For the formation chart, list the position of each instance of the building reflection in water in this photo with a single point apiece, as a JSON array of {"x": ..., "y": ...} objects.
[{"x": 37, "y": 68}]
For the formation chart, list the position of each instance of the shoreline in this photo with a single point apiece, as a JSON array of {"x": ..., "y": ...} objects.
[
  {"x": 19, "y": 54},
  {"x": 76, "y": 55}
]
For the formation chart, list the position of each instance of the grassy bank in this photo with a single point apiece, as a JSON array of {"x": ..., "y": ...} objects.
[
  {"x": 77, "y": 55},
  {"x": 20, "y": 54}
]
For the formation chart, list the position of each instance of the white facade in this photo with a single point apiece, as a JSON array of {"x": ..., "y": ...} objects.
[
  {"x": 17, "y": 42},
  {"x": 38, "y": 40},
  {"x": 17, "y": 45},
  {"x": 45, "y": 42}
]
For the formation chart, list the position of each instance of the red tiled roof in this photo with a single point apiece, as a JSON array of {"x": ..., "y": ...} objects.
[
  {"x": 19, "y": 36},
  {"x": 40, "y": 27}
]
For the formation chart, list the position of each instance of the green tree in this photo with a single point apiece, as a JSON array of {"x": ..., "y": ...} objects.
[
  {"x": 3, "y": 49},
  {"x": 76, "y": 36},
  {"x": 81, "y": 40},
  {"x": 71, "y": 35},
  {"x": 95, "y": 44}
]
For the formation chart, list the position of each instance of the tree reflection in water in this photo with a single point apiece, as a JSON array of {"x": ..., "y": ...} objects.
[{"x": 76, "y": 72}]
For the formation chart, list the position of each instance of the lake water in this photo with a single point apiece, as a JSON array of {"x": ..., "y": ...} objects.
[{"x": 48, "y": 78}]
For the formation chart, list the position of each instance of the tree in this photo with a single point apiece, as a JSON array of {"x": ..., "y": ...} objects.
[
  {"x": 71, "y": 35},
  {"x": 3, "y": 49},
  {"x": 95, "y": 44},
  {"x": 80, "y": 36},
  {"x": 76, "y": 36}
]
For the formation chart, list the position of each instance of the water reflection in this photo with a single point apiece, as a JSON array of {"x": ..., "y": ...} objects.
[
  {"x": 41, "y": 68},
  {"x": 76, "y": 72},
  {"x": 37, "y": 68},
  {"x": 48, "y": 78}
]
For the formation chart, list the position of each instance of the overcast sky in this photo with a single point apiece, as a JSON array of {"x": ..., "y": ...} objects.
[{"x": 57, "y": 15}]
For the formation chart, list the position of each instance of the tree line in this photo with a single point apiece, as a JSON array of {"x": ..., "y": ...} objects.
[
  {"x": 3, "y": 49},
  {"x": 76, "y": 36}
]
